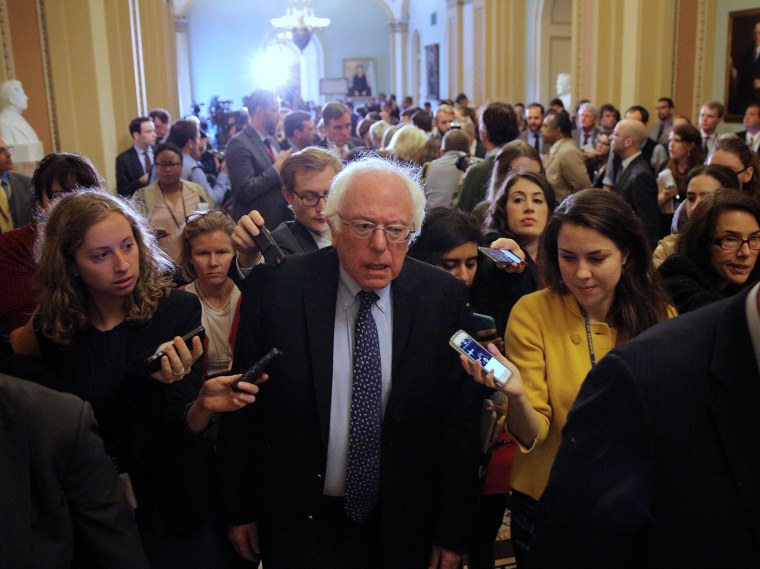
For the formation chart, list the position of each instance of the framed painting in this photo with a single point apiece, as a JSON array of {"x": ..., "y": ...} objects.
[
  {"x": 360, "y": 74},
  {"x": 743, "y": 65},
  {"x": 432, "y": 71}
]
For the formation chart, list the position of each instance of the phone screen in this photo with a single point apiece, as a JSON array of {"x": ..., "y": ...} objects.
[
  {"x": 477, "y": 352},
  {"x": 501, "y": 255}
]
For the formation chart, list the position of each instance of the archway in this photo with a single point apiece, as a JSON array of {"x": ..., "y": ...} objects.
[{"x": 553, "y": 46}]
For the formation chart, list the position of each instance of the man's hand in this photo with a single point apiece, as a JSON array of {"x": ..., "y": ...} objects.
[
  {"x": 245, "y": 540},
  {"x": 144, "y": 179},
  {"x": 444, "y": 558},
  {"x": 281, "y": 158},
  {"x": 242, "y": 238}
]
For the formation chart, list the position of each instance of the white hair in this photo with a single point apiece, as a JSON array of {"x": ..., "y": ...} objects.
[{"x": 345, "y": 180}]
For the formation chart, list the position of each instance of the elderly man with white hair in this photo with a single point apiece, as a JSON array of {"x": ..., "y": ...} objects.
[{"x": 363, "y": 443}]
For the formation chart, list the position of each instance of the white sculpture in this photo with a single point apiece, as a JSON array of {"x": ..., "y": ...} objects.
[
  {"x": 13, "y": 127},
  {"x": 564, "y": 83}
]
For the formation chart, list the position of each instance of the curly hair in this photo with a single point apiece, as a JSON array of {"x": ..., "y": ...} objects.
[
  {"x": 200, "y": 224},
  {"x": 63, "y": 296},
  {"x": 640, "y": 299},
  {"x": 496, "y": 218}
]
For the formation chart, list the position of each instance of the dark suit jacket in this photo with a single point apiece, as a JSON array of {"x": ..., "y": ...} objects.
[
  {"x": 61, "y": 498},
  {"x": 273, "y": 453},
  {"x": 293, "y": 237},
  {"x": 475, "y": 185},
  {"x": 255, "y": 184},
  {"x": 659, "y": 461},
  {"x": 353, "y": 142},
  {"x": 128, "y": 172},
  {"x": 638, "y": 187},
  {"x": 22, "y": 199}
]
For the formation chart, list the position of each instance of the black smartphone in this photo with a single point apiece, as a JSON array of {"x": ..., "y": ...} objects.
[
  {"x": 257, "y": 369},
  {"x": 500, "y": 255},
  {"x": 273, "y": 255},
  {"x": 153, "y": 363}
]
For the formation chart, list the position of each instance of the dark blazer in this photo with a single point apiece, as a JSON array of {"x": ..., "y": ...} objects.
[
  {"x": 255, "y": 184},
  {"x": 273, "y": 453},
  {"x": 638, "y": 187},
  {"x": 62, "y": 502},
  {"x": 129, "y": 169},
  {"x": 475, "y": 185},
  {"x": 293, "y": 237},
  {"x": 659, "y": 461},
  {"x": 22, "y": 199}
]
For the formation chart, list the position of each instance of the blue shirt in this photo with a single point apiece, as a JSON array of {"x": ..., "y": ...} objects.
[{"x": 346, "y": 310}]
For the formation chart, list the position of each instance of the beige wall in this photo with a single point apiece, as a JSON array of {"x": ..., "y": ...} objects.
[{"x": 88, "y": 70}]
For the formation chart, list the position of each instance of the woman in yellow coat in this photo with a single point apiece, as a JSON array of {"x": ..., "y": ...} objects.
[{"x": 601, "y": 290}]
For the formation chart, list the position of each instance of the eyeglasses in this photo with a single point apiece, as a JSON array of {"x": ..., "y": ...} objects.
[
  {"x": 196, "y": 215},
  {"x": 365, "y": 229},
  {"x": 602, "y": 141},
  {"x": 7, "y": 149},
  {"x": 167, "y": 165},
  {"x": 311, "y": 200},
  {"x": 732, "y": 243}
]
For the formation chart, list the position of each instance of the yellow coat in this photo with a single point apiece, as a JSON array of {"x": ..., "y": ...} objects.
[{"x": 546, "y": 339}]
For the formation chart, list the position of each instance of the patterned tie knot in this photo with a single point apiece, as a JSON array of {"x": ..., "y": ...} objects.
[{"x": 366, "y": 299}]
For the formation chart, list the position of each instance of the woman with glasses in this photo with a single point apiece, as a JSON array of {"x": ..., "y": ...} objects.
[
  {"x": 205, "y": 259},
  {"x": 169, "y": 200},
  {"x": 717, "y": 251},
  {"x": 597, "y": 165}
]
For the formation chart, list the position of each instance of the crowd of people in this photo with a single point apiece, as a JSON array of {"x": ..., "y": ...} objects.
[{"x": 369, "y": 442}]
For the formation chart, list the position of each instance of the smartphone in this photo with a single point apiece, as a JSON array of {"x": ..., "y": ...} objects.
[
  {"x": 257, "y": 369},
  {"x": 465, "y": 344},
  {"x": 500, "y": 255},
  {"x": 273, "y": 255},
  {"x": 153, "y": 363}
]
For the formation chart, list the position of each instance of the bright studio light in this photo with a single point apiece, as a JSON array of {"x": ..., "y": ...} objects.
[{"x": 272, "y": 68}]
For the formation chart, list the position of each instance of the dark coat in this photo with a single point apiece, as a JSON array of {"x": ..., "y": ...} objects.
[
  {"x": 255, "y": 184},
  {"x": 62, "y": 502},
  {"x": 273, "y": 453},
  {"x": 659, "y": 461},
  {"x": 638, "y": 187},
  {"x": 293, "y": 237}
]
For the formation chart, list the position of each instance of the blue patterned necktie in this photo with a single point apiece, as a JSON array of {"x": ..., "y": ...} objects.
[{"x": 363, "y": 470}]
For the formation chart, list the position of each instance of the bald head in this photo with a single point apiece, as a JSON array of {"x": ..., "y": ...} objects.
[{"x": 628, "y": 137}]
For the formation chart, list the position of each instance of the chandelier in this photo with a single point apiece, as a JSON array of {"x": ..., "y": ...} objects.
[{"x": 299, "y": 22}]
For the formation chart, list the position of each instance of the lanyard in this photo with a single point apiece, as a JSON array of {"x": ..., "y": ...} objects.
[
  {"x": 591, "y": 353},
  {"x": 168, "y": 207}
]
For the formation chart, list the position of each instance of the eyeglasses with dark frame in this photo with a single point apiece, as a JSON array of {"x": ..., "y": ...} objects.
[
  {"x": 311, "y": 200},
  {"x": 734, "y": 243},
  {"x": 364, "y": 229},
  {"x": 167, "y": 165}
]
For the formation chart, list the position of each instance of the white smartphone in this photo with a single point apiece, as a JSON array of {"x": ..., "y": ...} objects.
[{"x": 465, "y": 344}]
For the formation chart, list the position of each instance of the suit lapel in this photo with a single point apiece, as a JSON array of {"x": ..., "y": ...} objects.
[
  {"x": 734, "y": 407},
  {"x": 404, "y": 301},
  {"x": 303, "y": 237},
  {"x": 319, "y": 298},
  {"x": 15, "y": 521},
  {"x": 258, "y": 145}
]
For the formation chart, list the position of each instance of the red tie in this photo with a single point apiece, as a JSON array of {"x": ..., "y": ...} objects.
[
  {"x": 268, "y": 146},
  {"x": 148, "y": 164}
]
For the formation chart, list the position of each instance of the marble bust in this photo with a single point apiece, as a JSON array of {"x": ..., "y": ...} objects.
[
  {"x": 13, "y": 126},
  {"x": 564, "y": 83}
]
